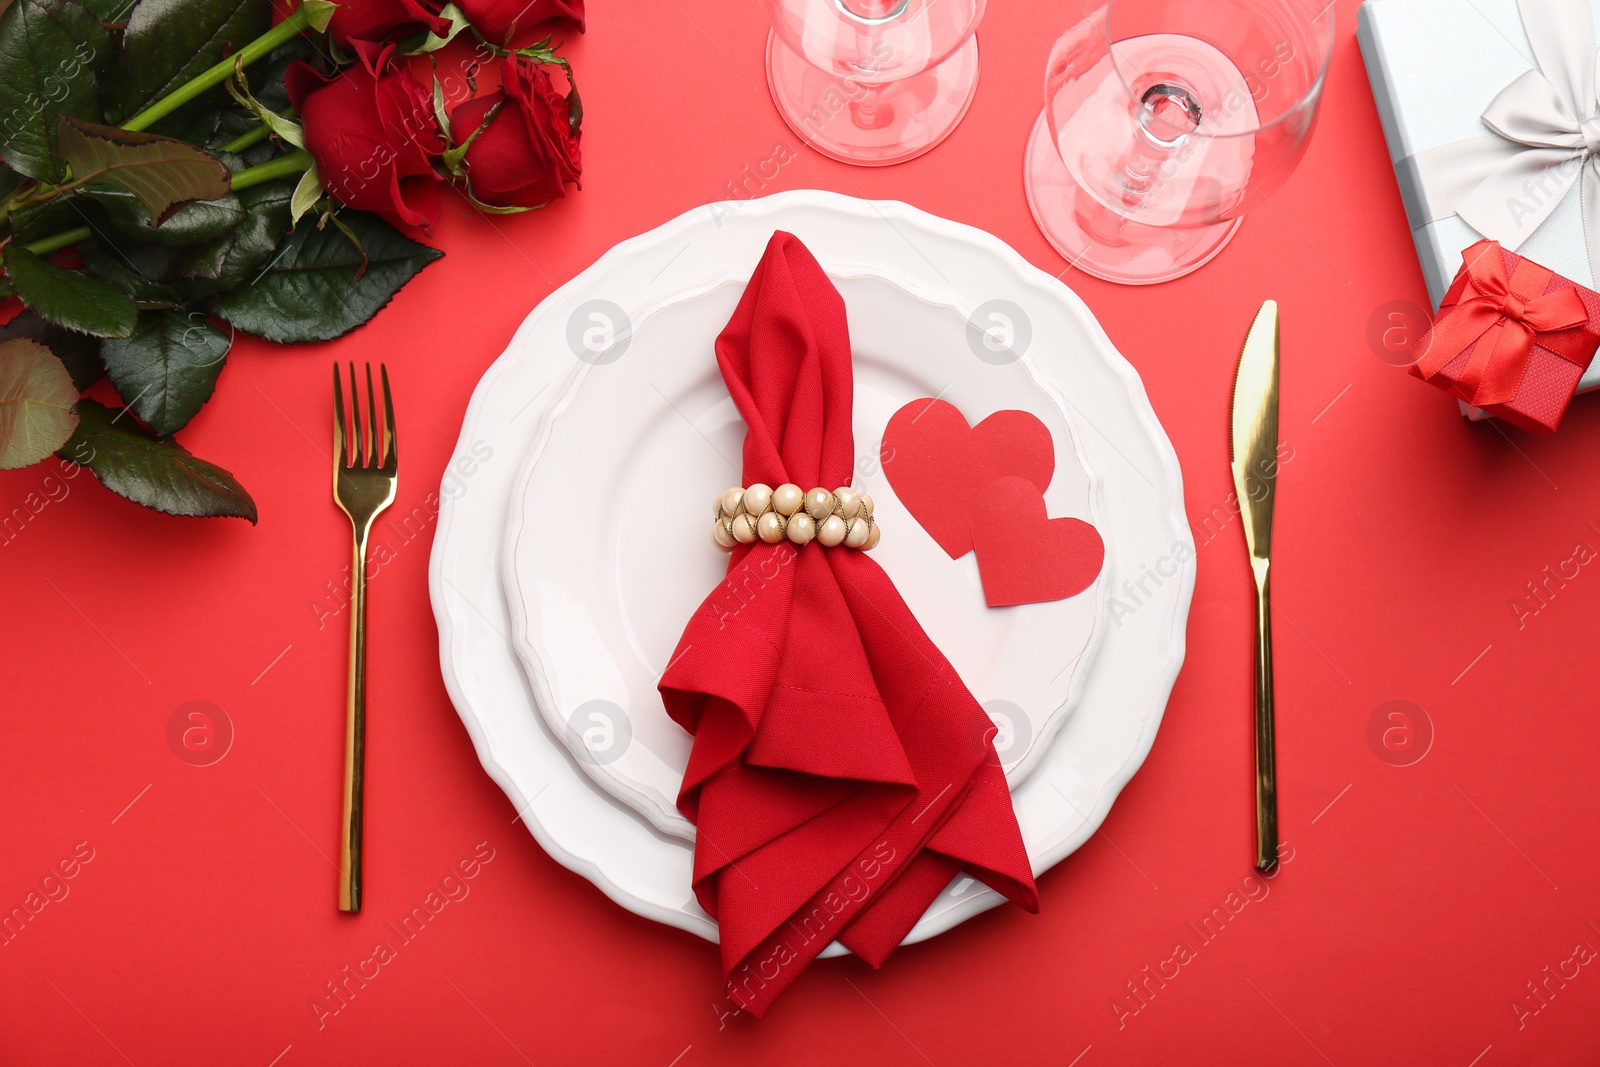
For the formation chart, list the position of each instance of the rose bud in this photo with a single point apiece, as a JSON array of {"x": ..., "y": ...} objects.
[
  {"x": 497, "y": 20},
  {"x": 372, "y": 132},
  {"x": 377, "y": 20},
  {"x": 521, "y": 144}
]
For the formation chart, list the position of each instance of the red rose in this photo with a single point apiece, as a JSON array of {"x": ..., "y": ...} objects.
[
  {"x": 373, "y": 134},
  {"x": 375, "y": 20},
  {"x": 529, "y": 149},
  {"x": 498, "y": 19}
]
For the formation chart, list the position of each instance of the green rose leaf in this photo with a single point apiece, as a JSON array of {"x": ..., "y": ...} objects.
[
  {"x": 169, "y": 42},
  {"x": 69, "y": 298},
  {"x": 320, "y": 12},
  {"x": 306, "y": 194},
  {"x": 194, "y": 223},
  {"x": 284, "y": 129},
  {"x": 240, "y": 255},
  {"x": 80, "y": 354},
  {"x": 314, "y": 289},
  {"x": 36, "y": 400},
  {"x": 34, "y": 222},
  {"x": 162, "y": 173},
  {"x": 139, "y": 276},
  {"x": 168, "y": 369},
  {"x": 50, "y": 51},
  {"x": 154, "y": 471}
]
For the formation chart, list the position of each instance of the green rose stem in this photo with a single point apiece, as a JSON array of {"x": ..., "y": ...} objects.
[
  {"x": 251, "y": 136},
  {"x": 295, "y": 162},
  {"x": 312, "y": 14},
  {"x": 245, "y": 140},
  {"x": 57, "y": 241},
  {"x": 284, "y": 166}
]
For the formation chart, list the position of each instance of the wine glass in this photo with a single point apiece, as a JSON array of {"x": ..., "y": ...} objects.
[
  {"x": 1164, "y": 121},
  {"x": 873, "y": 82}
]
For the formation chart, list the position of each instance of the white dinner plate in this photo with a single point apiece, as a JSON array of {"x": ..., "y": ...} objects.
[
  {"x": 637, "y": 444},
  {"x": 1139, "y": 511}
]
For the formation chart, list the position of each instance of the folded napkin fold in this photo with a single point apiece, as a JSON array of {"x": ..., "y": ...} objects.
[{"x": 842, "y": 774}]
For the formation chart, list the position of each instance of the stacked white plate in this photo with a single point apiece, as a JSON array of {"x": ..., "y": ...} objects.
[{"x": 573, "y": 540}]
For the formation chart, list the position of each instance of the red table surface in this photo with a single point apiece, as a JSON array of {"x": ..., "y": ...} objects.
[{"x": 1420, "y": 901}]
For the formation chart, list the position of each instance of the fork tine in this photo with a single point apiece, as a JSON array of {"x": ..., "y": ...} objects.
[
  {"x": 361, "y": 446},
  {"x": 388, "y": 417},
  {"x": 374, "y": 431},
  {"x": 340, "y": 453}
]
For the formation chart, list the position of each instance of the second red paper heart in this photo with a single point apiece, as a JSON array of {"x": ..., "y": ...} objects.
[
  {"x": 1026, "y": 557},
  {"x": 982, "y": 487}
]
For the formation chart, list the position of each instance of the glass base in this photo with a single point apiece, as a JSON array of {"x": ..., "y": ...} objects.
[
  {"x": 1100, "y": 242},
  {"x": 871, "y": 125}
]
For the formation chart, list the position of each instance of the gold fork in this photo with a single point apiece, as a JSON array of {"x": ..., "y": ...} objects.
[{"x": 364, "y": 481}]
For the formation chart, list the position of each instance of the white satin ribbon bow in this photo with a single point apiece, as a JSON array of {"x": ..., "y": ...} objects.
[{"x": 1546, "y": 138}]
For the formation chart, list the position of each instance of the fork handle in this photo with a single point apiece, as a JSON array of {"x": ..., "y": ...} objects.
[
  {"x": 355, "y": 736},
  {"x": 1266, "y": 755}
]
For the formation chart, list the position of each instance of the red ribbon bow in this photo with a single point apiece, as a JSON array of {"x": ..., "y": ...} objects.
[{"x": 1500, "y": 318}]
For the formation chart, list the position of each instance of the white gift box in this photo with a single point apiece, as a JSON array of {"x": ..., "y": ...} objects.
[{"x": 1435, "y": 66}]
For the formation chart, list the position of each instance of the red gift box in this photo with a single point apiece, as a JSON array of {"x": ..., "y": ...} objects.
[{"x": 1511, "y": 337}]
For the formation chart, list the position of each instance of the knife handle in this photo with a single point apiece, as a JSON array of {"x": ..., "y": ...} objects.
[{"x": 1266, "y": 755}]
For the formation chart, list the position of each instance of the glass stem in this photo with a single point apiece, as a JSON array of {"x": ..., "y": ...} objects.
[{"x": 874, "y": 10}]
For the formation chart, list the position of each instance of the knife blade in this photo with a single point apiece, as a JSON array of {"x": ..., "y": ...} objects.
[{"x": 1254, "y": 457}]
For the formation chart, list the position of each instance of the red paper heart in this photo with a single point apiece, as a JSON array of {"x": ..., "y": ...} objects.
[
  {"x": 1025, "y": 557},
  {"x": 938, "y": 465}
]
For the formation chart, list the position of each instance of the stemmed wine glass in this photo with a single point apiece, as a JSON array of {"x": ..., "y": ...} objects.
[
  {"x": 873, "y": 82},
  {"x": 1164, "y": 121}
]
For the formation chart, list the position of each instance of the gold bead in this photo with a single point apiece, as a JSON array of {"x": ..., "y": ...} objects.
[
  {"x": 769, "y": 527},
  {"x": 832, "y": 531},
  {"x": 801, "y": 529},
  {"x": 756, "y": 498},
  {"x": 788, "y": 498}
]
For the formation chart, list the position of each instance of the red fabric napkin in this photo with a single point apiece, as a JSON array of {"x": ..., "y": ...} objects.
[{"x": 841, "y": 773}]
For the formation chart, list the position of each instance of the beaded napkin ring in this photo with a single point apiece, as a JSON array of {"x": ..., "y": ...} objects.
[{"x": 762, "y": 513}]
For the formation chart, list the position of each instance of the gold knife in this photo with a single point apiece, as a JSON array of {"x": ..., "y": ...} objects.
[{"x": 1255, "y": 475}]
